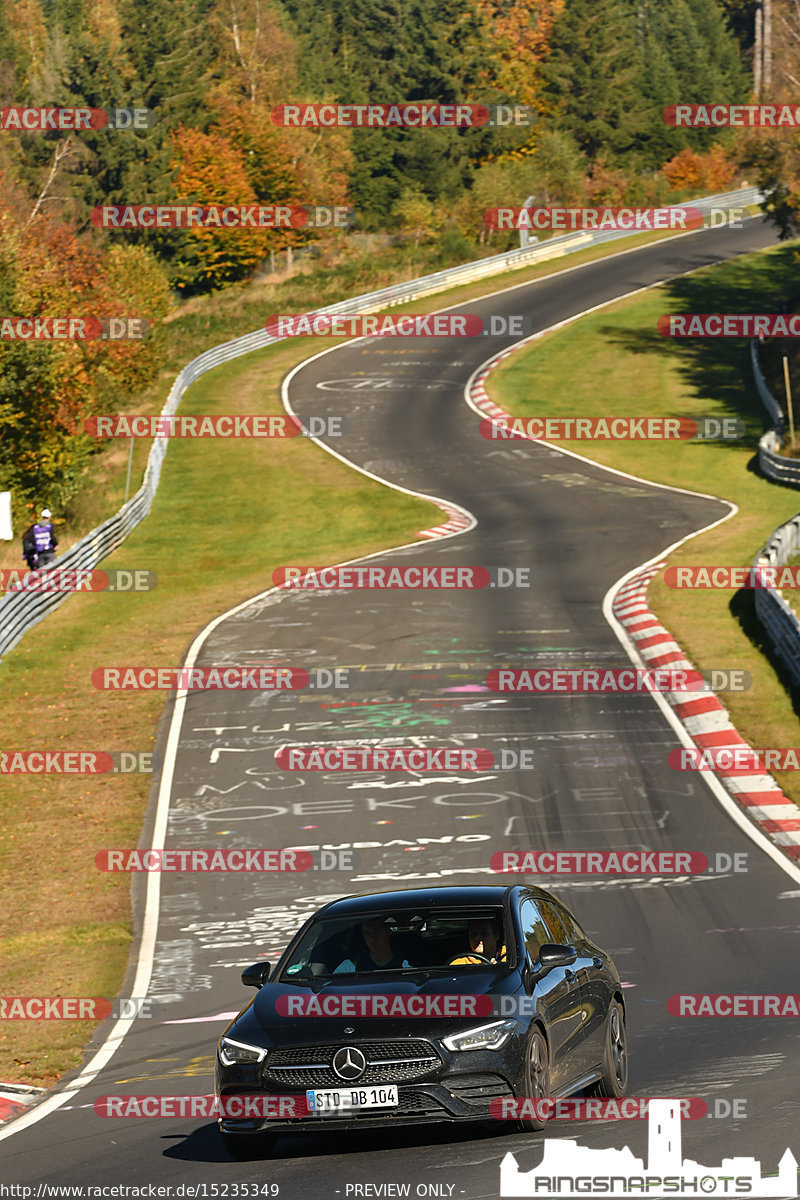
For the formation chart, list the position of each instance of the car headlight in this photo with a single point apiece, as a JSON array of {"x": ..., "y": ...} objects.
[
  {"x": 485, "y": 1037},
  {"x": 232, "y": 1053}
]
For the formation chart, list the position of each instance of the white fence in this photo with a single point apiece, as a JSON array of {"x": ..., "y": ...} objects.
[{"x": 20, "y": 611}]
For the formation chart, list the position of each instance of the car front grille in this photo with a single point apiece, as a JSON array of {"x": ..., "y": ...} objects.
[{"x": 387, "y": 1062}]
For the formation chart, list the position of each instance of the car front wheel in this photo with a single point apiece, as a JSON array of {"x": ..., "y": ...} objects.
[{"x": 537, "y": 1079}]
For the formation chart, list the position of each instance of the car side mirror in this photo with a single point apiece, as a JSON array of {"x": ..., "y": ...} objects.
[
  {"x": 257, "y": 975},
  {"x": 552, "y": 955}
]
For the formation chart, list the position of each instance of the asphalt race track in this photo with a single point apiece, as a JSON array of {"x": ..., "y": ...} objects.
[{"x": 417, "y": 663}]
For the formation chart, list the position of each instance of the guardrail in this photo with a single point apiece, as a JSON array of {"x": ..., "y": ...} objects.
[
  {"x": 774, "y": 465},
  {"x": 20, "y": 611},
  {"x": 775, "y": 614}
]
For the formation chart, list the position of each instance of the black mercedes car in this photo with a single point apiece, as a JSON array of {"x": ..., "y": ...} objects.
[{"x": 434, "y": 1004}]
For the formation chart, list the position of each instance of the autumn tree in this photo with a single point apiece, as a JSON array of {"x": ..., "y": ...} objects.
[
  {"x": 518, "y": 32},
  {"x": 775, "y": 153},
  {"x": 47, "y": 388}
]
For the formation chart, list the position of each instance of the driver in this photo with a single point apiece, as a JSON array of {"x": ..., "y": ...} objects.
[
  {"x": 380, "y": 955},
  {"x": 485, "y": 937}
]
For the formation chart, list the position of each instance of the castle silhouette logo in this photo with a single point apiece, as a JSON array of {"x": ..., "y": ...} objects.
[{"x": 568, "y": 1169}]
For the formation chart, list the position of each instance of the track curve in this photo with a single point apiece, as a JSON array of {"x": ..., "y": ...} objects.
[{"x": 600, "y": 781}]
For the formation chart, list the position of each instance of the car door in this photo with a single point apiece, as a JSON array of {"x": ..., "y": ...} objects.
[
  {"x": 560, "y": 995},
  {"x": 595, "y": 984}
]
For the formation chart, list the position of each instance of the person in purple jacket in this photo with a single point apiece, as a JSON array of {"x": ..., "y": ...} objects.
[{"x": 45, "y": 539}]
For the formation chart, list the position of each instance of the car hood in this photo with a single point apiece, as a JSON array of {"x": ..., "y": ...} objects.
[{"x": 262, "y": 1022}]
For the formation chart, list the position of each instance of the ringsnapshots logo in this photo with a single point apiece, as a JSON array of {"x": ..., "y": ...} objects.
[
  {"x": 614, "y": 429},
  {"x": 222, "y": 216},
  {"x": 46, "y": 120},
  {"x": 262, "y": 425},
  {"x": 570, "y": 1170},
  {"x": 402, "y": 114},
  {"x": 359, "y": 325},
  {"x": 409, "y": 578},
  {"x": 202, "y": 679}
]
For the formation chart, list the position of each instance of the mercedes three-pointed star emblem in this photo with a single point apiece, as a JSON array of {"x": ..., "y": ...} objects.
[{"x": 349, "y": 1063}]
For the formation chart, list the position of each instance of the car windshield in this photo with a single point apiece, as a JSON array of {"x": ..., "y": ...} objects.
[{"x": 399, "y": 940}]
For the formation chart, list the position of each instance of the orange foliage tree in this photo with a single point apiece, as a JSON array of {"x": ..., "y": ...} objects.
[
  {"x": 518, "y": 32},
  {"x": 47, "y": 388},
  {"x": 713, "y": 171}
]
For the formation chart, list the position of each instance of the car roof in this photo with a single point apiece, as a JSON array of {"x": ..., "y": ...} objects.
[{"x": 453, "y": 896}]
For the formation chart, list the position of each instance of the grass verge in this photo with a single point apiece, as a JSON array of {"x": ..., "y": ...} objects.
[{"x": 618, "y": 365}]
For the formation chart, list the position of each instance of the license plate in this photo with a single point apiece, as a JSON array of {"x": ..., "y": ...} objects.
[{"x": 342, "y": 1099}]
